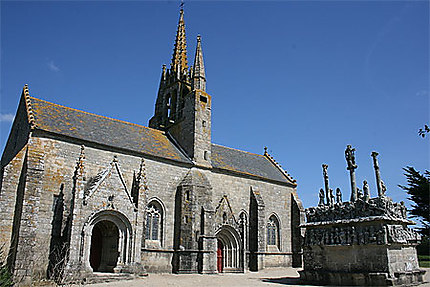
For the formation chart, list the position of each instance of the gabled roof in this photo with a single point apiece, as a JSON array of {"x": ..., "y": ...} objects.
[
  {"x": 76, "y": 124},
  {"x": 102, "y": 130},
  {"x": 248, "y": 163}
]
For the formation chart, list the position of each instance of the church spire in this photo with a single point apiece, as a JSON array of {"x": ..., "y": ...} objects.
[
  {"x": 199, "y": 78},
  {"x": 179, "y": 60}
]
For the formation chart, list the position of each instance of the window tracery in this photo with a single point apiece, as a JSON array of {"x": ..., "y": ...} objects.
[
  {"x": 273, "y": 231},
  {"x": 153, "y": 222}
]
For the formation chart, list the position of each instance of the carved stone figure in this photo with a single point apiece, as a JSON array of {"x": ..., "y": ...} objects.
[
  {"x": 326, "y": 185},
  {"x": 377, "y": 172},
  {"x": 403, "y": 209},
  {"x": 350, "y": 159},
  {"x": 359, "y": 193},
  {"x": 383, "y": 188},
  {"x": 366, "y": 191},
  {"x": 321, "y": 196},
  {"x": 331, "y": 196},
  {"x": 338, "y": 195}
]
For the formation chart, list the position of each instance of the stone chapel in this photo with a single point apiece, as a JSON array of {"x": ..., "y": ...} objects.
[{"x": 82, "y": 193}]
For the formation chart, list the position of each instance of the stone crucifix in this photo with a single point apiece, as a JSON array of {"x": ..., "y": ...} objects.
[
  {"x": 326, "y": 186},
  {"x": 377, "y": 173},
  {"x": 350, "y": 159}
]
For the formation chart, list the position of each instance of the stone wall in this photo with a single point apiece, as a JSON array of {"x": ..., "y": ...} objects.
[{"x": 50, "y": 168}]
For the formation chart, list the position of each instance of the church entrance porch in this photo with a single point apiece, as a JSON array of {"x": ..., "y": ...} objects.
[
  {"x": 229, "y": 250},
  {"x": 108, "y": 239},
  {"x": 104, "y": 247}
]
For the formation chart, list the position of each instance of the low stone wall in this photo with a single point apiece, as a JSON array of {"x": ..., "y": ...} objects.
[{"x": 157, "y": 261}]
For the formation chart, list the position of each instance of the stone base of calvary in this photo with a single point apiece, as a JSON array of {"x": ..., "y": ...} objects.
[{"x": 364, "y": 241}]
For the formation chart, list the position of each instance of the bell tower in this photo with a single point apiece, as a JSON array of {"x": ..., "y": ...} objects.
[{"x": 183, "y": 108}]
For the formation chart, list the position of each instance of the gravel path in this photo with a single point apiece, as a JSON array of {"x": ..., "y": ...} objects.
[{"x": 268, "y": 277}]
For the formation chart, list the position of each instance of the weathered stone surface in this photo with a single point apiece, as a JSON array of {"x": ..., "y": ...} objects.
[
  {"x": 365, "y": 241},
  {"x": 82, "y": 193}
]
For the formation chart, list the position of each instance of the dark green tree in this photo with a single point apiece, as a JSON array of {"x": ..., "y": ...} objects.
[
  {"x": 424, "y": 131},
  {"x": 419, "y": 188}
]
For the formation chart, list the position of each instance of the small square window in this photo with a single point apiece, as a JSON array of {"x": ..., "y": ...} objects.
[{"x": 203, "y": 99}]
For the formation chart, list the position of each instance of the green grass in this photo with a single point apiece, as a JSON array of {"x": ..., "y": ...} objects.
[{"x": 424, "y": 261}]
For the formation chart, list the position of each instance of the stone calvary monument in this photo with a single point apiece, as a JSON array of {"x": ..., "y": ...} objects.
[{"x": 364, "y": 241}]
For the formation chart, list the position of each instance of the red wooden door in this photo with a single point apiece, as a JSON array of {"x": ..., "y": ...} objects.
[{"x": 219, "y": 257}]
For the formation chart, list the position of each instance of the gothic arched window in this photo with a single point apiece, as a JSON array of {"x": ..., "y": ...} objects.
[
  {"x": 154, "y": 222},
  {"x": 273, "y": 231}
]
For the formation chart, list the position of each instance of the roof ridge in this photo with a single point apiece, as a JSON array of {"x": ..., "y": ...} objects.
[
  {"x": 238, "y": 149},
  {"x": 273, "y": 161},
  {"x": 27, "y": 99},
  {"x": 93, "y": 114}
]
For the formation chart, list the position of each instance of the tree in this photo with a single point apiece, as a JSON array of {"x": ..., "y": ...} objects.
[
  {"x": 424, "y": 131},
  {"x": 419, "y": 188}
]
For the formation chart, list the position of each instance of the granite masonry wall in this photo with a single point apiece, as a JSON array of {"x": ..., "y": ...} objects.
[{"x": 93, "y": 183}]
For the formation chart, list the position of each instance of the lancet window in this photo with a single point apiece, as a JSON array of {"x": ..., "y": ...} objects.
[
  {"x": 154, "y": 222},
  {"x": 273, "y": 231}
]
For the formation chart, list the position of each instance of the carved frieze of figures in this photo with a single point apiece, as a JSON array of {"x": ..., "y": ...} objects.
[
  {"x": 345, "y": 235},
  {"x": 400, "y": 234},
  {"x": 360, "y": 235},
  {"x": 362, "y": 208}
]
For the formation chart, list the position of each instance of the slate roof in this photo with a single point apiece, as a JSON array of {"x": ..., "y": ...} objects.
[
  {"x": 85, "y": 126},
  {"x": 102, "y": 130},
  {"x": 246, "y": 163}
]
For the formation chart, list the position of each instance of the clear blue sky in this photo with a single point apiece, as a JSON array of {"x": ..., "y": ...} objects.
[{"x": 305, "y": 78}]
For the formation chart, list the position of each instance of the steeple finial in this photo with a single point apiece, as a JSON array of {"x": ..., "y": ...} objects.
[
  {"x": 199, "y": 78},
  {"x": 179, "y": 61}
]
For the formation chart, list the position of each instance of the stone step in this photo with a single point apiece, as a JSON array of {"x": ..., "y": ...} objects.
[{"x": 101, "y": 277}]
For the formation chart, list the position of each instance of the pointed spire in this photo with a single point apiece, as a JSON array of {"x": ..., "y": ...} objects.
[
  {"x": 179, "y": 61},
  {"x": 199, "y": 78}
]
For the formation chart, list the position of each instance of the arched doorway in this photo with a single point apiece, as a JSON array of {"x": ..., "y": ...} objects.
[
  {"x": 229, "y": 250},
  {"x": 104, "y": 246},
  {"x": 108, "y": 242}
]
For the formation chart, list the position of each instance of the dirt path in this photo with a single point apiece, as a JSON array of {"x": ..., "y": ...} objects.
[{"x": 268, "y": 277}]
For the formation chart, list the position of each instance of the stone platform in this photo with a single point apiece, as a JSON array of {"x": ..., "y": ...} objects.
[{"x": 364, "y": 241}]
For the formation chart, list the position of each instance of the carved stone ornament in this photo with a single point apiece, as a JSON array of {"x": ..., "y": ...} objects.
[{"x": 360, "y": 209}]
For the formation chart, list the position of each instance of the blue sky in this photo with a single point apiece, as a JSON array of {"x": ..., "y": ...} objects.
[{"x": 304, "y": 78}]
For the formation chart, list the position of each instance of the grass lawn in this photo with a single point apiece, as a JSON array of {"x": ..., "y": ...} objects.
[{"x": 424, "y": 260}]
